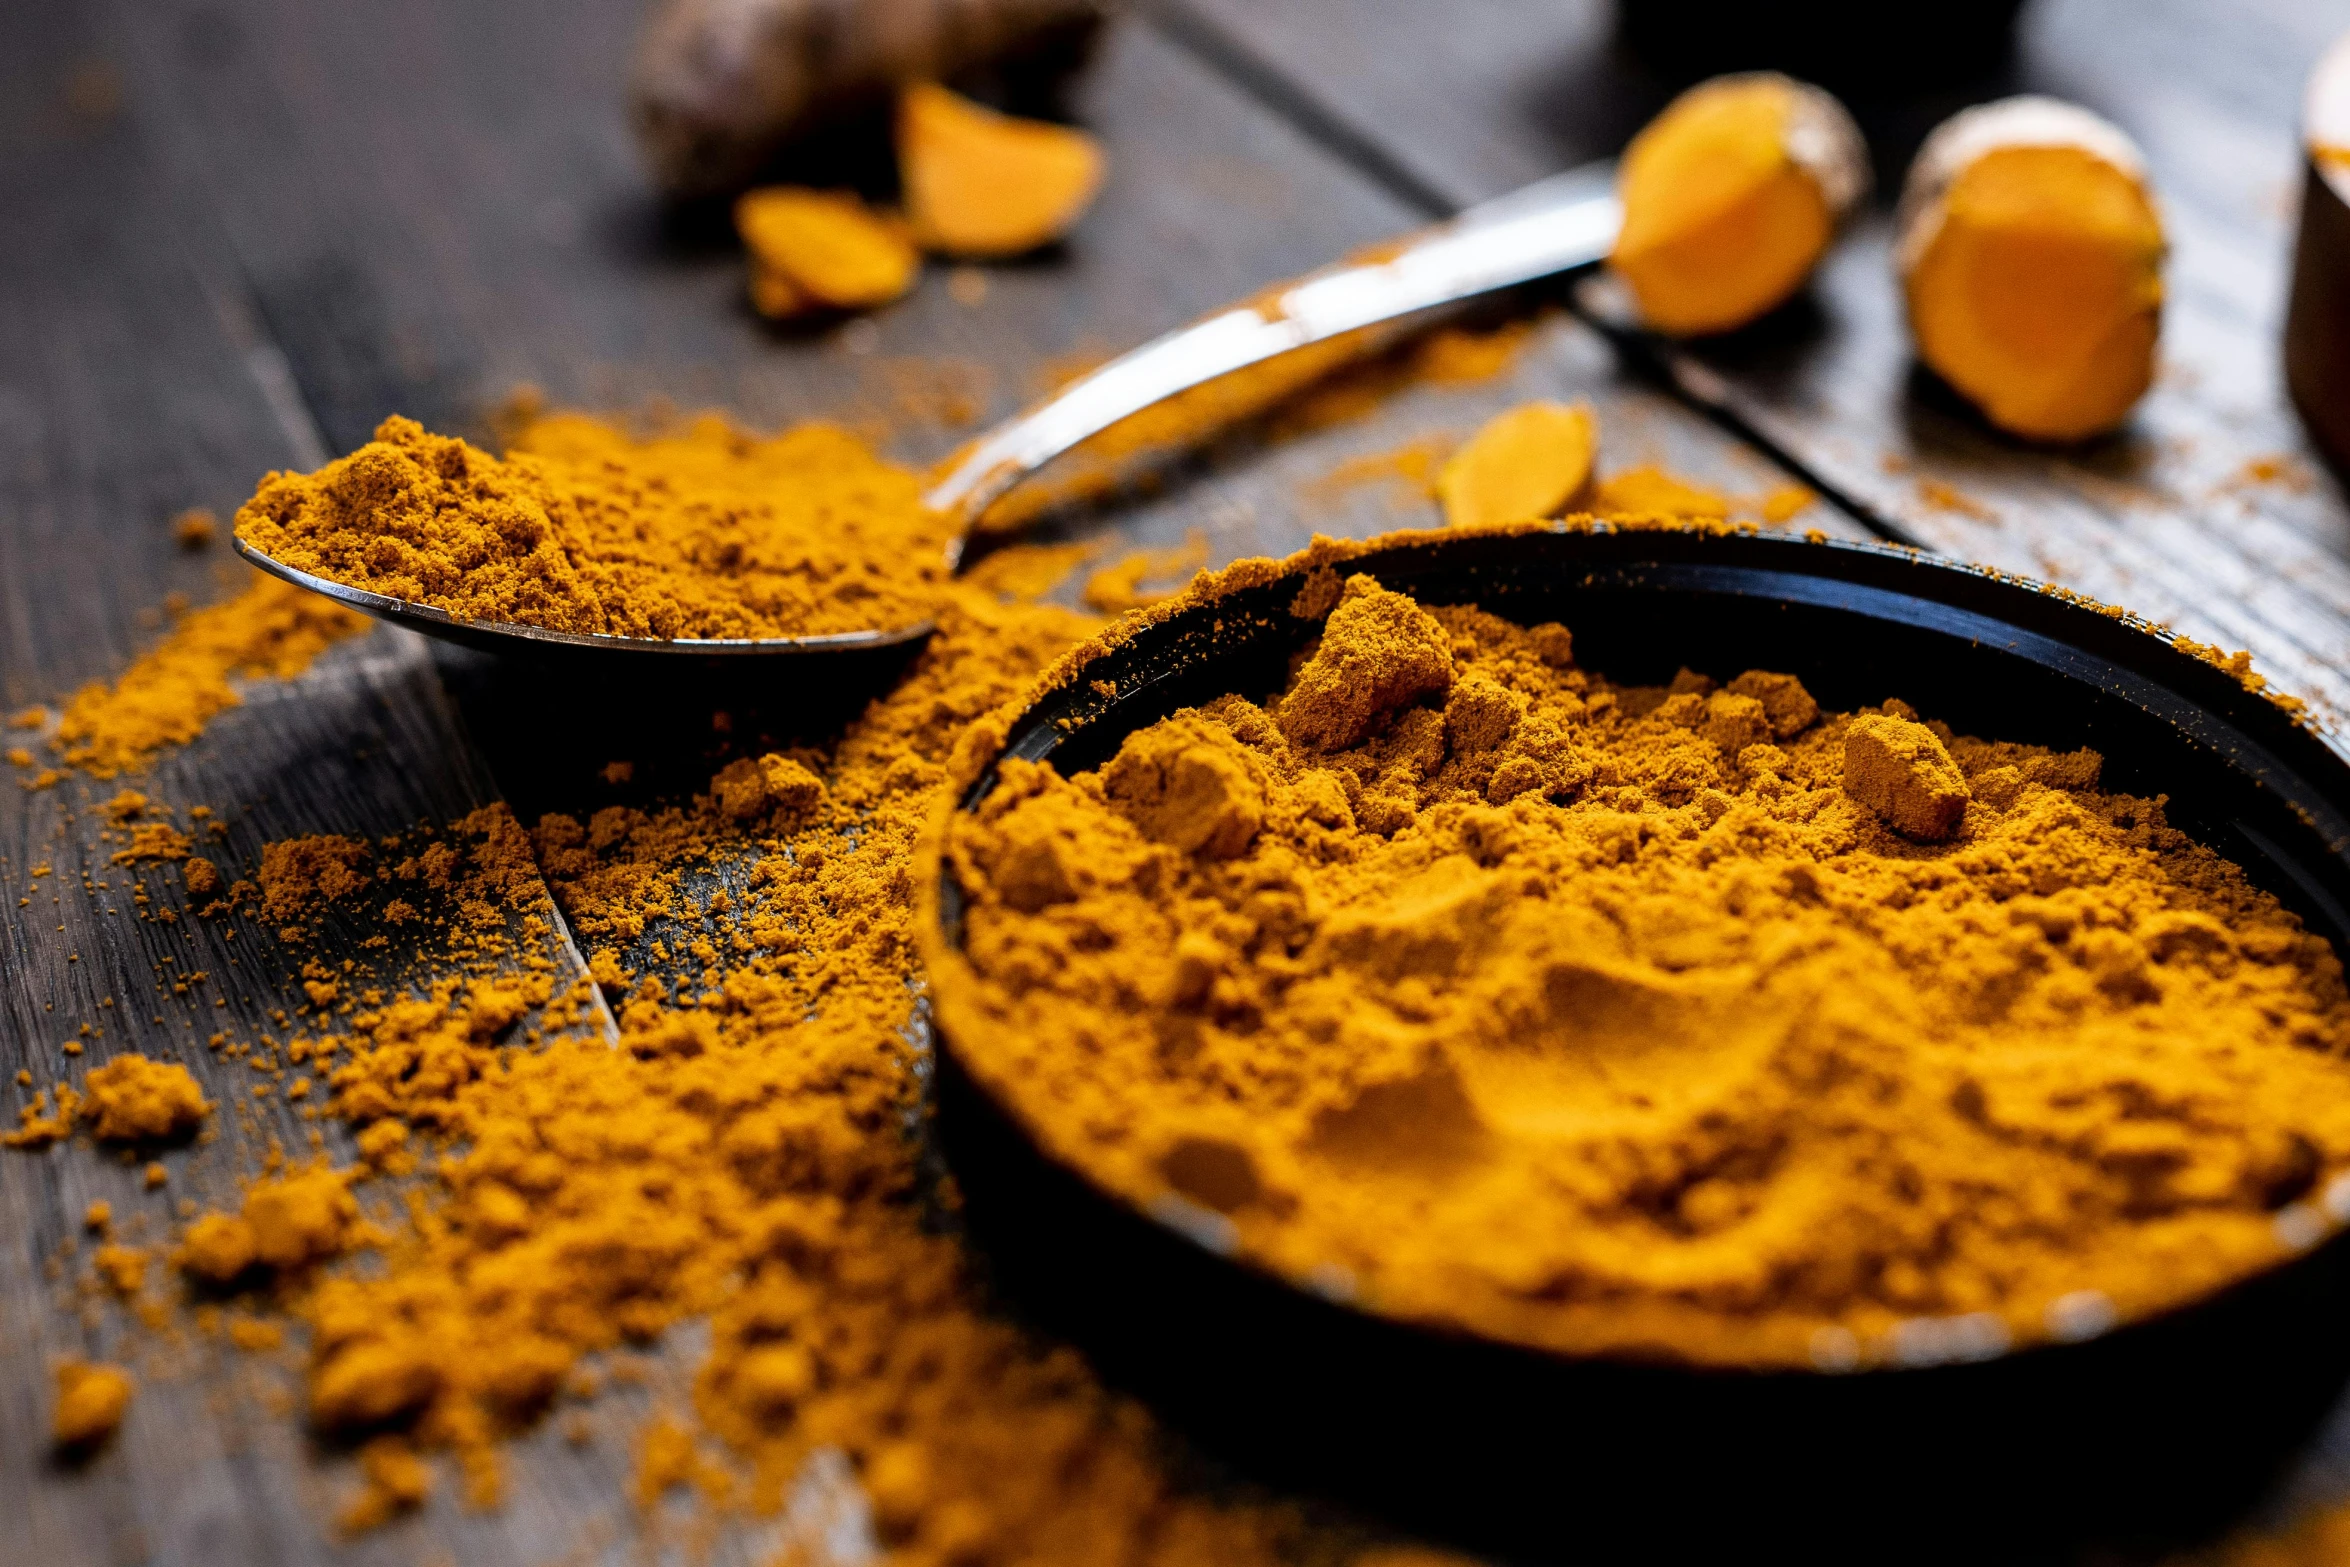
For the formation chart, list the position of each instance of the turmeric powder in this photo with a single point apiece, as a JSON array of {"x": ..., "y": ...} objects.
[
  {"x": 165, "y": 698},
  {"x": 703, "y": 532},
  {"x": 1731, "y": 197},
  {"x": 740, "y": 1156},
  {"x": 2031, "y": 255},
  {"x": 92, "y": 1398},
  {"x": 134, "y": 1100},
  {"x": 1689, "y": 1021}
]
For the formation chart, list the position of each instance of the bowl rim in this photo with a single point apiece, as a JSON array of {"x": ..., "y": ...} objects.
[{"x": 1067, "y": 697}]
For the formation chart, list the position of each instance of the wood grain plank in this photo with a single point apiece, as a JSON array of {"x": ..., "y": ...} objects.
[
  {"x": 1489, "y": 95},
  {"x": 134, "y": 382},
  {"x": 411, "y": 210}
]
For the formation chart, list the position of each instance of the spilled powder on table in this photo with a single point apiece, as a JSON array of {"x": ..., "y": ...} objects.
[{"x": 271, "y": 630}]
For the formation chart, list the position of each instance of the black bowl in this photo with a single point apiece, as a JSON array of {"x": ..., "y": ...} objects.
[{"x": 2157, "y": 1431}]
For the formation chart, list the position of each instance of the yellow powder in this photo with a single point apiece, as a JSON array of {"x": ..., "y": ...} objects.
[
  {"x": 1691, "y": 1022},
  {"x": 92, "y": 1398},
  {"x": 1412, "y": 465},
  {"x": 396, "y": 1481},
  {"x": 195, "y": 528},
  {"x": 288, "y": 1223},
  {"x": 1652, "y": 491},
  {"x": 270, "y": 630},
  {"x": 703, "y": 532},
  {"x": 132, "y": 1099},
  {"x": 1118, "y": 587},
  {"x": 123, "y": 1269}
]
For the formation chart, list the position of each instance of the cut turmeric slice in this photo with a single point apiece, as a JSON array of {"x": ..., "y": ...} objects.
[
  {"x": 1529, "y": 462},
  {"x": 819, "y": 248},
  {"x": 2031, "y": 253},
  {"x": 979, "y": 183},
  {"x": 1731, "y": 197}
]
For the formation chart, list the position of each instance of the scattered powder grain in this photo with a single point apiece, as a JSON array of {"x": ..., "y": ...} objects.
[
  {"x": 92, "y": 1398},
  {"x": 270, "y": 630},
  {"x": 1118, "y": 587},
  {"x": 195, "y": 528},
  {"x": 1652, "y": 491},
  {"x": 134, "y": 1100}
]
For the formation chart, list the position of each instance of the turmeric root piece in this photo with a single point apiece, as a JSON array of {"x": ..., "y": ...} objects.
[
  {"x": 1529, "y": 462},
  {"x": 718, "y": 86},
  {"x": 1731, "y": 197},
  {"x": 821, "y": 249},
  {"x": 979, "y": 183},
  {"x": 2031, "y": 254},
  {"x": 2317, "y": 319}
]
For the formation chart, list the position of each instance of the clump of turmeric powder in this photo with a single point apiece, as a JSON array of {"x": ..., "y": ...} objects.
[
  {"x": 1689, "y": 1021},
  {"x": 130, "y": 1099},
  {"x": 701, "y": 532},
  {"x": 270, "y": 630},
  {"x": 134, "y": 1100},
  {"x": 92, "y": 1398}
]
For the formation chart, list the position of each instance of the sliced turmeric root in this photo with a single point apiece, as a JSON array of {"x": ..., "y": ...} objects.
[
  {"x": 2031, "y": 253},
  {"x": 1529, "y": 462},
  {"x": 819, "y": 248},
  {"x": 1731, "y": 197},
  {"x": 979, "y": 183}
]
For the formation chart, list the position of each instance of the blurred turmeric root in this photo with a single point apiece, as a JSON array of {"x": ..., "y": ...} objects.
[
  {"x": 1731, "y": 197},
  {"x": 979, "y": 183},
  {"x": 2031, "y": 253},
  {"x": 719, "y": 85},
  {"x": 821, "y": 250}
]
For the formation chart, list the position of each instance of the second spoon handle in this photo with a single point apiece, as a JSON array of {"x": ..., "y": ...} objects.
[{"x": 1556, "y": 225}]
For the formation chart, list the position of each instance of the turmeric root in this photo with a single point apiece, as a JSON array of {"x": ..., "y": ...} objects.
[
  {"x": 1731, "y": 197},
  {"x": 979, "y": 183},
  {"x": 1529, "y": 462},
  {"x": 2031, "y": 253},
  {"x": 719, "y": 85},
  {"x": 818, "y": 249},
  {"x": 2317, "y": 319}
]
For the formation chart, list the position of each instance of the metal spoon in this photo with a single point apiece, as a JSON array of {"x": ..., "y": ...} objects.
[{"x": 1555, "y": 225}]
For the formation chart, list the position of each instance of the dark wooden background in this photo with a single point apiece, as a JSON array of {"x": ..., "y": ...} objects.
[{"x": 239, "y": 232}]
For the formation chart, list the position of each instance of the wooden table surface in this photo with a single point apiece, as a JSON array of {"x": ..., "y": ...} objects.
[{"x": 240, "y": 232}]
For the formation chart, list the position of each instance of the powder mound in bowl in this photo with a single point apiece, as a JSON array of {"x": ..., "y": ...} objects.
[
  {"x": 700, "y": 532},
  {"x": 1690, "y": 1022}
]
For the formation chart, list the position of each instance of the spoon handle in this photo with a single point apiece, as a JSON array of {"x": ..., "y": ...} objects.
[{"x": 1554, "y": 225}]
